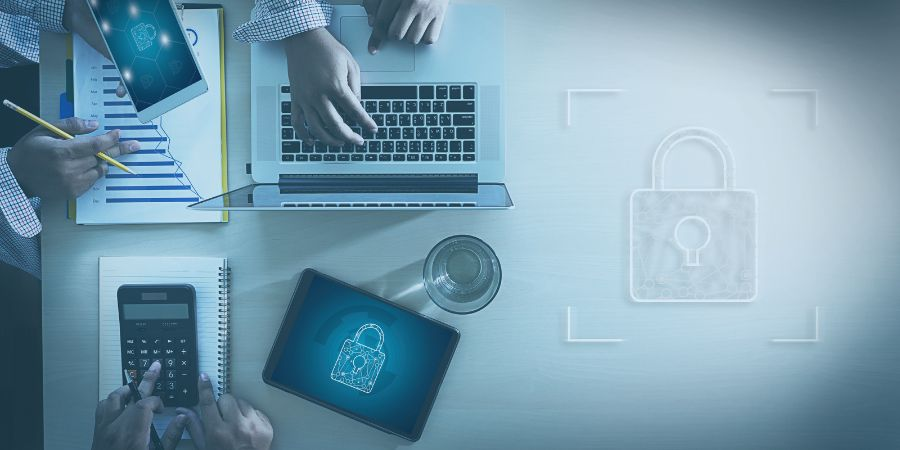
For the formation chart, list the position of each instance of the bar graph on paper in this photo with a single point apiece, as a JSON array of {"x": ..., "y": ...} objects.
[
  {"x": 160, "y": 179},
  {"x": 180, "y": 156}
]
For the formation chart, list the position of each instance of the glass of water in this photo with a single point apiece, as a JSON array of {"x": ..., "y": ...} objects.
[{"x": 462, "y": 274}]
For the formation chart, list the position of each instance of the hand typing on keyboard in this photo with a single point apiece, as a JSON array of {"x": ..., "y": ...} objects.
[
  {"x": 411, "y": 20},
  {"x": 324, "y": 79}
]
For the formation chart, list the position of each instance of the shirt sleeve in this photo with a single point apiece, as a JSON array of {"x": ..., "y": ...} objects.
[
  {"x": 21, "y": 23},
  {"x": 46, "y": 14},
  {"x": 16, "y": 207},
  {"x": 273, "y": 20}
]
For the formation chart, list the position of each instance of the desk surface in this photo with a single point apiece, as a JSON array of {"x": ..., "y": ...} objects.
[{"x": 822, "y": 162}]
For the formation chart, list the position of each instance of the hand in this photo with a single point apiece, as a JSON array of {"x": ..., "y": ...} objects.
[
  {"x": 48, "y": 166},
  {"x": 411, "y": 20},
  {"x": 78, "y": 19},
  {"x": 324, "y": 78},
  {"x": 122, "y": 426},
  {"x": 232, "y": 424}
]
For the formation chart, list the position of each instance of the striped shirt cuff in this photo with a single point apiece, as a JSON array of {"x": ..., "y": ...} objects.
[
  {"x": 18, "y": 210},
  {"x": 274, "y": 20}
]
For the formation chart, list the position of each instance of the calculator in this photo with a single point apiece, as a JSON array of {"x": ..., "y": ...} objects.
[{"x": 159, "y": 323}]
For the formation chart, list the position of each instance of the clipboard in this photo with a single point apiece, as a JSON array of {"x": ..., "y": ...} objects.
[{"x": 67, "y": 98}]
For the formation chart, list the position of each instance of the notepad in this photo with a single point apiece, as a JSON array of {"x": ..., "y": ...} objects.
[
  {"x": 210, "y": 279},
  {"x": 183, "y": 153}
]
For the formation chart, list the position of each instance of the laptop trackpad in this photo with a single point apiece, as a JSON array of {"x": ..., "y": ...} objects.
[{"x": 393, "y": 56}]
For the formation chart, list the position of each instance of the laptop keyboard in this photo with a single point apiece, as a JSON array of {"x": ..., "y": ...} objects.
[{"x": 430, "y": 123}]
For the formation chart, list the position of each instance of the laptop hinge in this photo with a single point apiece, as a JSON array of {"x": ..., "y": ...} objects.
[{"x": 381, "y": 183}]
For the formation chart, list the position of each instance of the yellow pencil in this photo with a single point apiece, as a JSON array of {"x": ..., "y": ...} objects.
[{"x": 61, "y": 133}]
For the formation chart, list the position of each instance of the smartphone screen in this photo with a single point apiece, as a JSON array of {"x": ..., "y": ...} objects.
[{"x": 148, "y": 45}]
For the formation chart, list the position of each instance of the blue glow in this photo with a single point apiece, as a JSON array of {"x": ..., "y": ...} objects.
[{"x": 414, "y": 349}]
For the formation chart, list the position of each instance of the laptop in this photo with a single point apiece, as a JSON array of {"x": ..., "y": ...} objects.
[{"x": 441, "y": 128}]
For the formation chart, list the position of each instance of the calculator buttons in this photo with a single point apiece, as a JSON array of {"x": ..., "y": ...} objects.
[{"x": 175, "y": 353}]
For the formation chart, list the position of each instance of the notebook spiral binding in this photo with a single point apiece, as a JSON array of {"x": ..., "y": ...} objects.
[{"x": 224, "y": 341}]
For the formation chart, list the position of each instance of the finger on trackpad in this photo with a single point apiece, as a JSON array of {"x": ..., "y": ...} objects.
[{"x": 394, "y": 56}]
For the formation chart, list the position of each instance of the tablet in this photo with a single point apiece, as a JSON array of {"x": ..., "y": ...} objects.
[
  {"x": 360, "y": 355},
  {"x": 152, "y": 52}
]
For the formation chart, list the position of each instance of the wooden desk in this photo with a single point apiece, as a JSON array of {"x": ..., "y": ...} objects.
[{"x": 686, "y": 376}]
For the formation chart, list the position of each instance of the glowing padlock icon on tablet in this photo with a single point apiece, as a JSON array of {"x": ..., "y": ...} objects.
[
  {"x": 358, "y": 365},
  {"x": 143, "y": 34}
]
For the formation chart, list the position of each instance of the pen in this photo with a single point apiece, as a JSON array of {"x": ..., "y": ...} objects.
[
  {"x": 61, "y": 133},
  {"x": 136, "y": 395}
]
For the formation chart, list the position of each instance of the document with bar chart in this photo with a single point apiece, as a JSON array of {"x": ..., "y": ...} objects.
[{"x": 182, "y": 159}]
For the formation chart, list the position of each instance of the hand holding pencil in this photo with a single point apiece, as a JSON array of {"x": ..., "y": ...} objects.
[{"x": 47, "y": 166}]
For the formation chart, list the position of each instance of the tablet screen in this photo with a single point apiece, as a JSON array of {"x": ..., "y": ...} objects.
[{"x": 360, "y": 355}]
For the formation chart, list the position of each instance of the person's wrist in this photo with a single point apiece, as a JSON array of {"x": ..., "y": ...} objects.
[{"x": 308, "y": 37}]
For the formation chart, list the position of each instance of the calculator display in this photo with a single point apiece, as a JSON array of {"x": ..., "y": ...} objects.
[
  {"x": 158, "y": 323},
  {"x": 174, "y": 311}
]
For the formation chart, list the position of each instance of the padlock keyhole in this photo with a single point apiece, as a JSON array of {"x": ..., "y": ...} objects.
[
  {"x": 692, "y": 235},
  {"x": 358, "y": 363}
]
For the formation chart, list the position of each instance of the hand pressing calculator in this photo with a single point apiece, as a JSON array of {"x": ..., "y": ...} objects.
[{"x": 159, "y": 323}]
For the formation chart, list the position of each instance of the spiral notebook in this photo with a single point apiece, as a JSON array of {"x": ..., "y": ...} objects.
[{"x": 211, "y": 280}]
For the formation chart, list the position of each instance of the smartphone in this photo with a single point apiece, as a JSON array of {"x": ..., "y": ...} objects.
[{"x": 152, "y": 52}]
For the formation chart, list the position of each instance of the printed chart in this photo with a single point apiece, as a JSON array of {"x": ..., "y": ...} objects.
[{"x": 181, "y": 159}]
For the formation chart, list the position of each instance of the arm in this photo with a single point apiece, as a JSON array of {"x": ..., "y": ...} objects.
[
  {"x": 21, "y": 23},
  {"x": 42, "y": 165},
  {"x": 318, "y": 89},
  {"x": 47, "y": 15},
  {"x": 273, "y": 20},
  {"x": 14, "y": 205}
]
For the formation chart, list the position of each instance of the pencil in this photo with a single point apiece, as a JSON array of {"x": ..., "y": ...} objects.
[
  {"x": 61, "y": 133},
  {"x": 136, "y": 396}
]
